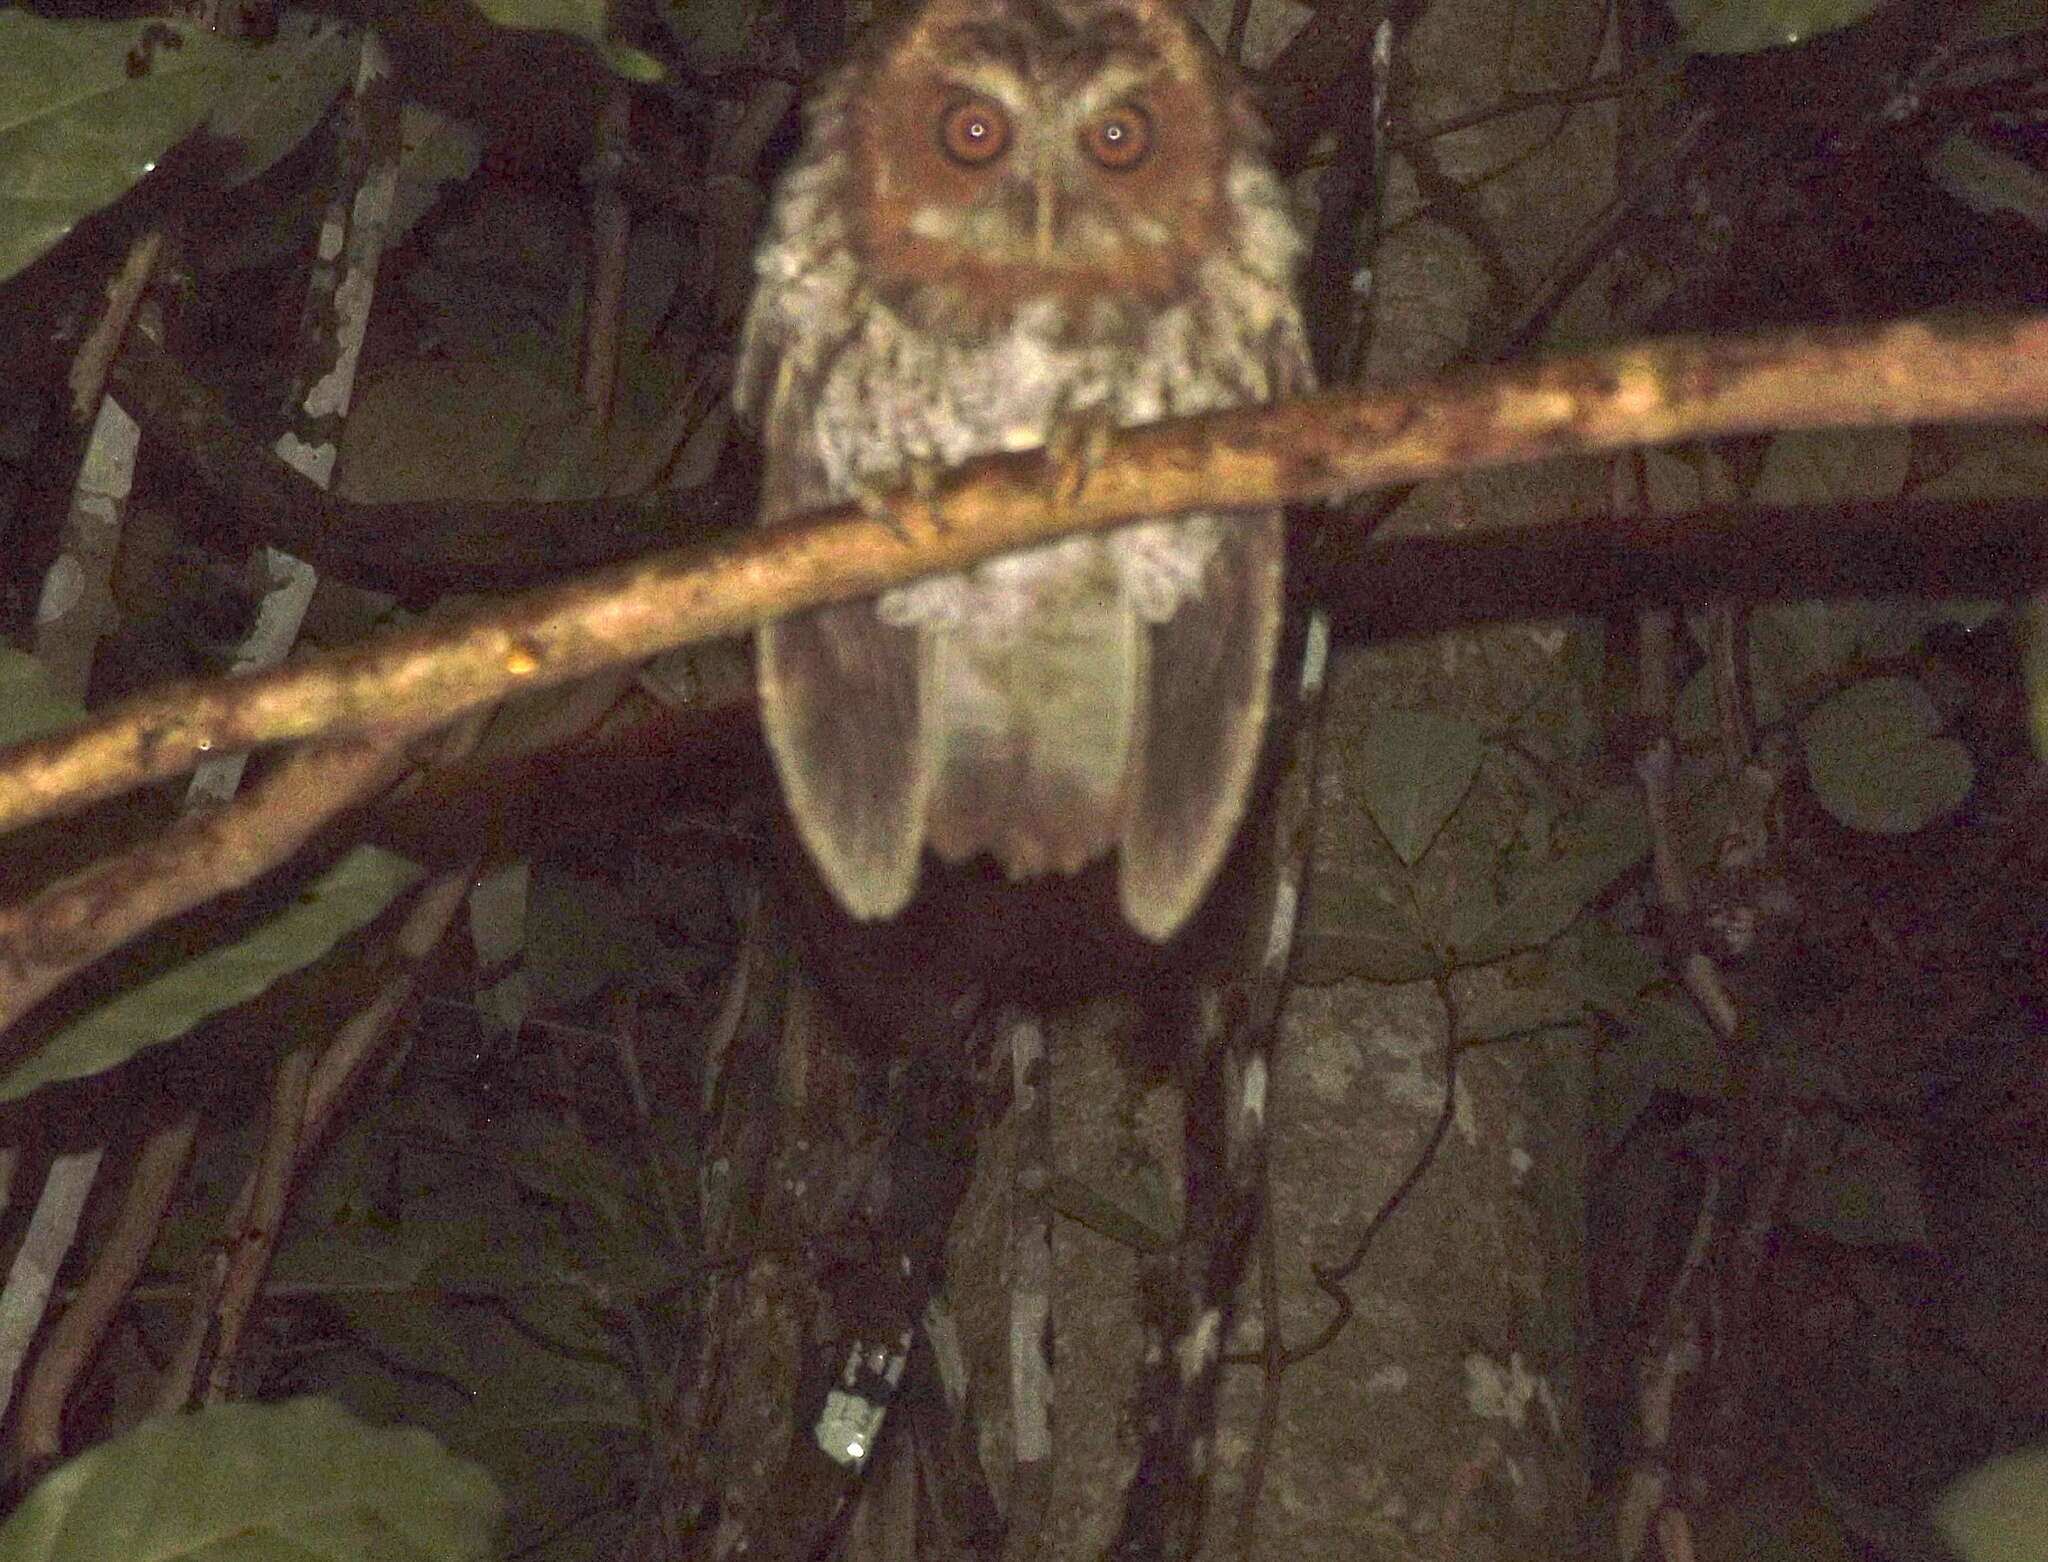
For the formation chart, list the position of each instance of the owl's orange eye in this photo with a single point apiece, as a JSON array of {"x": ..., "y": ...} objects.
[
  {"x": 974, "y": 132},
  {"x": 1120, "y": 138}
]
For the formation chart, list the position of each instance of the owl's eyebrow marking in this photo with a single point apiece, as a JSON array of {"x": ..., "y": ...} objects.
[
  {"x": 1103, "y": 77},
  {"x": 1078, "y": 54},
  {"x": 985, "y": 43}
]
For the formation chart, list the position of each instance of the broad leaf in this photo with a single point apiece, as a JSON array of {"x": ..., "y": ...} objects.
[
  {"x": 1745, "y": 26},
  {"x": 283, "y": 89},
  {"x": 1877, "y": 761},
  {"x": 29, "y": 704},
  {"x": 1417, "y": 766},
  {"x": 1999, "y": 1511},
  {"x": 1610, "y": 835},
  {"x": 258, "y": 1482},
  {"x": 343, "y": 899},
  {"x": 88, "y": 108},
  {"x": 1357, "y": 929},
  {"x": 583, "y": 20}
]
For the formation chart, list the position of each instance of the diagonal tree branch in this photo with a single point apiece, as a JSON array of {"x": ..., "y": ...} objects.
[
  {"x": 50, "y": 936},
  {"x": 1319, "y": 448}
]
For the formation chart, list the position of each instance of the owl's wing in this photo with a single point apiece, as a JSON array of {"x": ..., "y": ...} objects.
[
  {"x": 1207, "y": 694},
  {"x": 839, "y": 702}
]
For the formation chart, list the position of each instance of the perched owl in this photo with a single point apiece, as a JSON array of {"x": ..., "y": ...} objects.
[{"x": 1010, "y": 218}]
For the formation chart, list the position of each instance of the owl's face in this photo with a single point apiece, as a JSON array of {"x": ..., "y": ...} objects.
[{"x": 1068, "y": 154}]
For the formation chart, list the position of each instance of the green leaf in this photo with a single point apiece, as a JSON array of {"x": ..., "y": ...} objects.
[
  {"x": 579, "y": 935},
  {"x": 1876, "y": 761},
  {"x": 1617, "y": 968},
  {"x": 1828, "y": 466},
  {"x": 624, "y": 61},
  {"x": 29, "y": 704},
  {"x": 1990, "y": 463},
  {"x": 540, "y": 1363},
  {"x": 1794, "y": 646},
  {"x": 1511, "y": 1009},
  {"x": 1999, "y": 1511},
  {"x": 248, "y": 1482},
  {"x": 1417, "y": 766},
  {"x": 86, "y": 109},
  {"x": 1357, "y": 930},
  {"x": 1674, "y": 482},
  {"x": 1675, "y": 1049},
  {"x": 713, "y": 34},
  {"x": 1799, "y": 649},
  {"x": 1467, "y": 918},
  {"x": 583, "y": 20},
  {"x": 1798, "y": 646},
  {"x": 1668, "y": 1047},
  {"x": 434, "y": 429},
  {"x": 1988, "y": 181},
  {"x": 2003, "y": 18},
  {"x": 364, "y": 1256},
  {"x": 547, "y": 718},
  {"x": 341, "y": 900},
  {"x": 283, "y": 89},
  {"x": 1745, "y": 26},
  {"x": 1610, "y": 834},
  {"x": 578, "y": 18}
]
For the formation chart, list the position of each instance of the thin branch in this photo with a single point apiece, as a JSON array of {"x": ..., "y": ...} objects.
[
  {"x": 1295, "y": 86},
  {"x": 254, "y": 1238},
  {"x": 304, "y": 1094},
  {"x": 124, "y": 296},
  {"x": 1649, "y": 177},
  {"x": 259, "y": 500},
  {"x": 46, "y": 938},
  {"x": 1233, "y": 40},
  {"x": 52, "y": 1230},
  {"x": 1601, "y": 89},
  {"x": 1319, "y": 448},
  {"x": 118, "y": 1257},
  {"x": 357, "y": 1044},
  {"x": 1332, "y": 1278}
]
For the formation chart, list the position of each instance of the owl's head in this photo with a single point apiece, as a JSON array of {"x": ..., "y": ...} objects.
[{"x": 1066, "y": 154}]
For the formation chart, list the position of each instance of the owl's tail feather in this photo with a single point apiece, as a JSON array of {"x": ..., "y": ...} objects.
[
  {"x": 1033, "y": 732},
  {"x": 1096, "y": 731}
]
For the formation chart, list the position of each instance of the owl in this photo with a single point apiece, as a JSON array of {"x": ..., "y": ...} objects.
[{"x": 1009, "y": 219}]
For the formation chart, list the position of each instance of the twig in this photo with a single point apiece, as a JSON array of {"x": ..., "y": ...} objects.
[
  {"x": 46, "y": 938},
  {"x": 96, "y": 353},
  {"x": 1331, "y": 1277},
  {"x": 118, "y": 1258}
]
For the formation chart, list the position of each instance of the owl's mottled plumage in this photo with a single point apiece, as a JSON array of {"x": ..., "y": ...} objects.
[{"x": 1010, "y": 216}]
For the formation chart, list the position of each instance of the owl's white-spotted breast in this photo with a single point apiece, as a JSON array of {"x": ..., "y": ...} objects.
[{"x": 1010, "y": 217}]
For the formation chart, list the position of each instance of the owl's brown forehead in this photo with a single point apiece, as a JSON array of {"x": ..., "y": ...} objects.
[{"x": 1049, "y": 48}]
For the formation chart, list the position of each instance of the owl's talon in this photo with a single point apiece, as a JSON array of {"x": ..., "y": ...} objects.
[
  {"x": 922, "y": 473},
  {"x": 872, "y": 499},
  {"x": 1074, "y": 448},
  {"x": 878, "y": 500}
]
